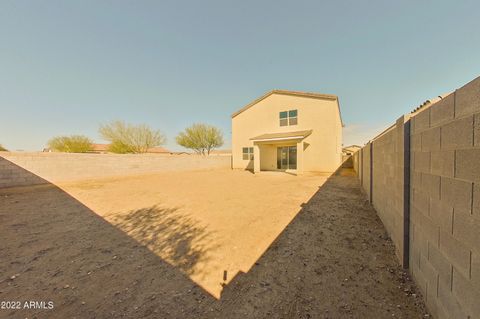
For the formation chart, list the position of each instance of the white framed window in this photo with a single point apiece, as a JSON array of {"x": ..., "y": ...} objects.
[
  {"x": 288, "y": 118},
  {"x": 247, "y": 153},
  {"x": 292, "y": 117}
]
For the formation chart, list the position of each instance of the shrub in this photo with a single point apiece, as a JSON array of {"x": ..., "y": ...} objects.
[
  {"x": 2, "y": 149},
  {"x": 201, "y": 138},
  {"x": 128, "y": 138},
  {"x": 70, "y": 144}
]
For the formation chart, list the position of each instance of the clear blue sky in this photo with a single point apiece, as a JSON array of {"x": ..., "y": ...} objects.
[{"x": 67, "y": 66}]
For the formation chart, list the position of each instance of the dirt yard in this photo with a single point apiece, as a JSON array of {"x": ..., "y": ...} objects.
[{"x": 204, "y": 244}]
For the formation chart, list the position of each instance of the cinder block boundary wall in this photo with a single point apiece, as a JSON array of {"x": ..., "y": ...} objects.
[
  {"x": 422, "y": 175},
  {"x": 25, "y": 169}
]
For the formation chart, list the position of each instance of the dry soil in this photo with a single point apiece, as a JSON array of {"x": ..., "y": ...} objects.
[{"x": 203, "y": 244}]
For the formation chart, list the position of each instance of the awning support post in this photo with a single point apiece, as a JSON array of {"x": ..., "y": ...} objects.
[{"x": 256, "y": 158}]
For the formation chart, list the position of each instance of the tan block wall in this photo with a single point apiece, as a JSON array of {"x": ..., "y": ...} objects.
[
  {"x": 445, "y": 215},
  {"x": 356, "y": 161},
  {"x": 22, "y": 169},
  {"x": 383, "y": 181},
  {"x": 388, "y": 183},
  {"x": 444, "y": 190},
  {"x": 365, "y": 171}
]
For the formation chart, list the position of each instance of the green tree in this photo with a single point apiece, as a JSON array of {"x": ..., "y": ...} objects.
[
  {"x": 201, "y": 138},
  {"x": 70, "y": 144},
  {"x": 128, "y": 138},
  {"x": 2, "y": 149}
]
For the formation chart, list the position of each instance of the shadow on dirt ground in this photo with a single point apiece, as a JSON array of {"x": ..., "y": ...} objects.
[
  {"x": 54, "y": 248},
  {"x": 176, "y": 237},
  {"x": 334, "y": 260}
]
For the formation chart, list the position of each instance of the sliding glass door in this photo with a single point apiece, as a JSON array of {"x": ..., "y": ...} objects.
[{"x": 287, "y": 157}]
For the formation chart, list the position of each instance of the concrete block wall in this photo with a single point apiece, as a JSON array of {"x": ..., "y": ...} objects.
[
  {"x": 441, "y": 198},
  {"x": 356, "y": 161},
  {"x": 381, "y": 172},
  {"x": 12, "y": 175},
  {"x": 388, "y": 184},
  {"x": 366, "y": 168},
  {"x": 445, "y": 215},
  {"x": 23, "y": 169}
]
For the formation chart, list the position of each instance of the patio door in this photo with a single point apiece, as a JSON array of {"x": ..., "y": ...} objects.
[{"x": 287, "y": 157}]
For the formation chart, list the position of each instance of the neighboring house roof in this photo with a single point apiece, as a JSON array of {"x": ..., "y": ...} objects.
[
  {"x": 99, "y": 147},
  {"x": 352, "y": 147},
  {"x": 282, "y": 136},
  {"x": 293, "y": 93}
]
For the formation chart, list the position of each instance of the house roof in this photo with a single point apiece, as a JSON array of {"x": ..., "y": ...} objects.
[
  {"x": 99, "y": 147},
  {"x": 282, "y": 136},
  {"x": 351, "y": 148},
  {"x": 293, "y": 93}
]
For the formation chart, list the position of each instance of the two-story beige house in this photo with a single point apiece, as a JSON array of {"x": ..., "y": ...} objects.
[{"x": 288, "y": 131}]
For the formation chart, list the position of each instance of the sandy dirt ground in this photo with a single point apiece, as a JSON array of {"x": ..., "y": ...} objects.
[{"x": 204, "y": 244}]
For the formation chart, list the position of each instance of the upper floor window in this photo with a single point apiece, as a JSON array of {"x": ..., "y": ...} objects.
[{"x": 288, "y": 118}]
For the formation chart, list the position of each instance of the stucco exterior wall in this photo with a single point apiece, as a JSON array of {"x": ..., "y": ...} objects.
[
  {"x": 268, "y": 160},
  {"x": 64, "y": 167},
  {"x": 322, "y": 149}
]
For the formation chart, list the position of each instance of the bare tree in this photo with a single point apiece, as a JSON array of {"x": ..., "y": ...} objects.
[
  {"x": 128, "y": 138},
  {"x": 201, "y": 138}
]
